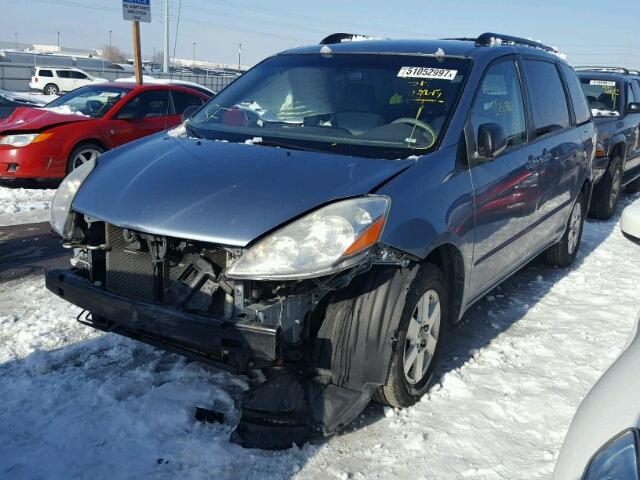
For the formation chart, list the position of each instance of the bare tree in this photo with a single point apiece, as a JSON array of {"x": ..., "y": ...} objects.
[{"x": 114, "y": 54}]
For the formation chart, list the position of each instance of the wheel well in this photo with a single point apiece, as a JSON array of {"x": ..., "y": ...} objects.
[
  {"x": 618, "y": 150},
  {"x": 449, "y": 260},
  {"x": 90, "y": 140}
]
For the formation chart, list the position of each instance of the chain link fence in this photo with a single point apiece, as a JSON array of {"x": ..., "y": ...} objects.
[{"x": 16, "y": 77}]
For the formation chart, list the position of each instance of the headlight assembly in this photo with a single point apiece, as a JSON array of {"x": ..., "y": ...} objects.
[
  {"x": 618, "y": 459},
  {"x": 325, "y": 241},
  {"x": 23, "y": 139},
  {"x": 61, "y": 220}
]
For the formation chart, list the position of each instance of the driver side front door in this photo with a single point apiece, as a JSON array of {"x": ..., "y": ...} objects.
[
  {"x": 145, "y": 114},
  {"x": 505, "y": 187}
]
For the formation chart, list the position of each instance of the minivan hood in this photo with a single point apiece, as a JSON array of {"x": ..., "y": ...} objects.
[
  {"x": 38, "y": 119},
  {"x": 218, "y": 192}
]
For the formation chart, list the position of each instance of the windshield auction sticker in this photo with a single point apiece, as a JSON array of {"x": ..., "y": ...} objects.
[
  {"x": 425, "y": 72},
  {"x": 604, "y": 83}
]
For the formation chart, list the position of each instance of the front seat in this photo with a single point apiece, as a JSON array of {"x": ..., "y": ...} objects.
[{"x": 358, "y": 116}]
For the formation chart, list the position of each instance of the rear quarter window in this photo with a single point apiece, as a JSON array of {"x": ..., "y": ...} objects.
[
  {"x": 548, "y": 100},
  {"x": 45, "y": 73},
  {"x": 578, "y": 99}
]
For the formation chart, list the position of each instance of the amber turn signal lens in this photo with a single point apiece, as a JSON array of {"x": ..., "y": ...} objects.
[
  {"x": 42, "y": 137},
  {"x": 368, "y": 238}
]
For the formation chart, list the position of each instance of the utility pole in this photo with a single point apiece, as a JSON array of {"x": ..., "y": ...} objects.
[
  {"x": 239, "y": 54},
  {"x": 165, "y": 68},
  {"x": 16, "y": 35},
  {"x": 58, "y": 41},
  {"x": 137, "y": 55},
  {"x": 193, "y": 65},
  {"x": 110, "y": 32}
]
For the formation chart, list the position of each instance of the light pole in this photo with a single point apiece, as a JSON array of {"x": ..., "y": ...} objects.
[
  {"x": 110, "y": 32},
  {"x": 16, "y": 35},
  {"x": 58, "y": 41},
  {"x": 239, "y": 54},
  {"x": 193, "y": 67}
]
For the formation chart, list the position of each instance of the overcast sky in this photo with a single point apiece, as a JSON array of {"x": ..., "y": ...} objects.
[{"x": 588, "y": 31}]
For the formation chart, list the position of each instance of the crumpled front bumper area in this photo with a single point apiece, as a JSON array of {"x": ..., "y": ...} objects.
[
  {"x": 289, "y": 407},
  {"x": 231, "y": 345}
]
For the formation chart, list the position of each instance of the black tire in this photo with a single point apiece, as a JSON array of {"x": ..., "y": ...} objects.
[
  {"x": 362, "y": 337},
  {"x": 84, "y": 147},
  {"x": 51, "y": 89},
  {"x": 633, "y": 187},
  {"x": 398, "y": 391},
  {"x": 563, "y": 253},
  {"x": 606, "y": 193}
]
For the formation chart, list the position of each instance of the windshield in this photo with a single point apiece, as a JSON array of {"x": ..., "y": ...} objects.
[
  {"x": 92, "y": 101},
  {"x": 372, "y": 105},
  {"x": 603, "y": 96}
]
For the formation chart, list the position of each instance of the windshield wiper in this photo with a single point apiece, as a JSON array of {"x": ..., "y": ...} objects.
[
  {"x": 191, "y": 131},
  {"x": 278, "y": 143}
]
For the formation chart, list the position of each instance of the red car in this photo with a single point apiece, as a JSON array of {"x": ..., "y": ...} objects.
[{"x": 49, "y": 142}]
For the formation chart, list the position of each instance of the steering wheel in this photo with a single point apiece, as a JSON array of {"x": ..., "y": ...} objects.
[
  {"x": 414, "y": 122},
  {"x": 93, "y": 106}
]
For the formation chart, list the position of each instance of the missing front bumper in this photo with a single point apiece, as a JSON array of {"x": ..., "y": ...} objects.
[{"x": 237, "y": 345}]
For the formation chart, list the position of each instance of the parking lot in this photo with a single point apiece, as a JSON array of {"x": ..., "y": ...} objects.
[
  {"x": 247, "y": 241},
  {"x": 89, "y": 404}
]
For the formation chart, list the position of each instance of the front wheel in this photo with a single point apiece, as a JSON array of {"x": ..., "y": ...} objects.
[
  {"x": 420, "y": 338},
  {"x": 563, "y": 253},
  {"x": 606, "y": 193},
  {"x": 83, "y": 153}
]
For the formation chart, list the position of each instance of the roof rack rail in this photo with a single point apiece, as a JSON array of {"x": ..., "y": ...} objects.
[
  {"x": 599, "y": 68},
  {"x": 490, "y": 39},
  {"x": 346, "y": 37}
]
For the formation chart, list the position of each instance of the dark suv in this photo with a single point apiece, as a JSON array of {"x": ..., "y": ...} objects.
[
  {"x": 613, "y": 95},
  {"x": 330, "y": 214}
]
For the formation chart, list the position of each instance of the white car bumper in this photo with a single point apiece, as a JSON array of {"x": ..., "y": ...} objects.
[{"x": 630, "y": 221}]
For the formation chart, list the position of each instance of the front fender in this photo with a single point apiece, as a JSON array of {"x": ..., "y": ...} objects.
[
  {"x": 431, "y": 205},
  {"x": 613, "y": 142}
]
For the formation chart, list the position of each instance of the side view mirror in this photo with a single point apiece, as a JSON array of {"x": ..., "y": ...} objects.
[
  {"x": 491, "y": 141},
  {"x": 633, "y": 107},
  {"x": 189, "y": 112}
]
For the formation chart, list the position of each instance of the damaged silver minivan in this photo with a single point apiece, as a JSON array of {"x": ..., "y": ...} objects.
[{"x": 329, "y": 214}]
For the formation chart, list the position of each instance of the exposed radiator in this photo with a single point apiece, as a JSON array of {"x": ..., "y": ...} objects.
[
  {"x": 130, "y": 267},
  {"x": 129, "y": 272}
]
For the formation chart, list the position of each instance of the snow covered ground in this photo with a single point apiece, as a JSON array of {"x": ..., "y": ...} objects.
[
  {"x": 24, "y": 205},
  {"x": 78, "y": 404}
]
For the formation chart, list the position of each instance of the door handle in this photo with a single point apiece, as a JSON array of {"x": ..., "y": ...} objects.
[{"x": 533, "y": 163}]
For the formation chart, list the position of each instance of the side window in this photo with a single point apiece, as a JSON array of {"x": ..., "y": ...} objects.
[
  {"x": 147, "y": 105},
  {"x": 549, "y": 102},
  {"x": 78, "y": 75},
  {"x": 499, "y": 100},
  {"x": 64, "y": 74},
  {"x": 182, "y": 100},
  {"x": 636, "y": 89},
  {"x": 45, "y": 73},
  {"x": 578, "y": 99},
  {"x": 631, "y": 97}
]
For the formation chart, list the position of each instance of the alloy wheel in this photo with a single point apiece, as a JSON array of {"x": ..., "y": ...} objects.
[
  {"x": 615, "y": 189},
  {"x": 575, "y": 223},
  {"x": 422, "y": 337},
  {"x": 83, "y": 156}
]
